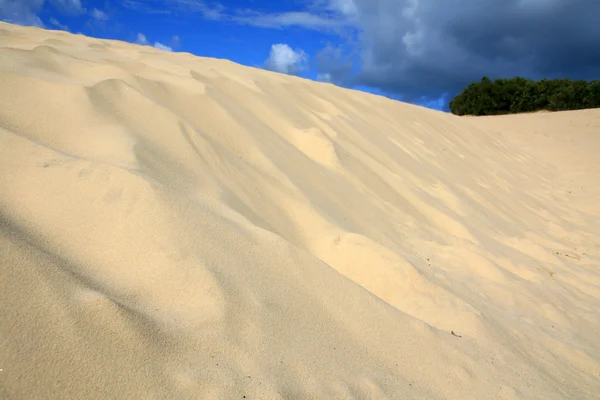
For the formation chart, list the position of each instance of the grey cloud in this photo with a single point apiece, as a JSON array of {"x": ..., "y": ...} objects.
[
  {"x": 424, "y": 48},
  {"x": 334, "y": 64}
]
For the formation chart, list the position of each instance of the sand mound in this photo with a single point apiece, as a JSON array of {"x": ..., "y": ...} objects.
[{"x": 178, "y": 227}]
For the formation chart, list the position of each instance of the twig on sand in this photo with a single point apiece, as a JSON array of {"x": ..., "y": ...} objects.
[{"x": 455, "y": 334}]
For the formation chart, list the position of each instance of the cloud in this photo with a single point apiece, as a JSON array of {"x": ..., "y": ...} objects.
[
  {"x": 210, "y": 12},
  {"x": 322, "y": 18},
  {"x": 343, "y": 7},
  {"x": 56, "y": 23},
  {"x": 23, "y": 12},
  {"x": 336, "y": 63},
  {"x": 99, "y": 15},
  {"x": 301, "y": 19},
  {"x": 26, "y": 12},
  {"x": 161, "y": 46},
  {"x": 142, "y": 39},
  {"x": 326, "y": 77},
  {"x": 284, "y": 59},
  {"x": 146, "y": 6},
  {"x": 68, "y": 6},
  {"x": 425, "y": 48}
]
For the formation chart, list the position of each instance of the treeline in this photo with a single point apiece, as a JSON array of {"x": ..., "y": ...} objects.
[{"x": 519, "y": 95}]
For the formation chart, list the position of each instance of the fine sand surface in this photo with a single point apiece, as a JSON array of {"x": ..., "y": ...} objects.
[{"x": 175, "y": 227}]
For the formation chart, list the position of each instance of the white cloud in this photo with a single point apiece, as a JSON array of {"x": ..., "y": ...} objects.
[
  {"x": 68, "y": 6},
  {"x": 99, "y": 15},
  {"x": 344, "y": 7},
  {"x": 147, "y": 6},
  {"x": 296, "y": 18},
  {"x": 284, "y": 59},
  {"x": 142, "y": 39},
  {"x": 326, "y": 77},
  {"x": 56, "y": 23},
  {"x": 210, "y": 12},
  {"x": 347, "y": 7},
  {"x": 26, "y": 12},
  {"x": 22, "y": 12},
  {"x": 322, "y": 16},
  {"x": 161, "y": 46}
]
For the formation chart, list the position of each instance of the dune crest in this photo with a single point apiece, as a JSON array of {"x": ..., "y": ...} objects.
[{"x": 182, "y": 227}]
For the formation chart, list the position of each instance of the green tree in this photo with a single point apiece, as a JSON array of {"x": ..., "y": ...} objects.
[
  {"x": 517, "y": 95},
  {"x": 592, "y": 98}
]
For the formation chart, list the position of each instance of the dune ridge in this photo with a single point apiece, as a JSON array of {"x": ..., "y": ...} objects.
[{"x": 181, "y": 227}]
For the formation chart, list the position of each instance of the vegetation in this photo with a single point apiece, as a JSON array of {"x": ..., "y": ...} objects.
[{"x": 519, "y": 95}]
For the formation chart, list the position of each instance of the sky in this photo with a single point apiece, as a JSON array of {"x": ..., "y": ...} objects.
[{"x": 420, "y": 51}]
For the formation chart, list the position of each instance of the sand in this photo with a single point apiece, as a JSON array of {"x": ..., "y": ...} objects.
[{"x": 176, "y": 227}]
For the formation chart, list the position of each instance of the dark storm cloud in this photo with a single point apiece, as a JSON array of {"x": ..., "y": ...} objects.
[{"x": 427, "y": 47}]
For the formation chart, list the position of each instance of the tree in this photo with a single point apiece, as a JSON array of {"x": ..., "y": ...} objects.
[
  {"x": 517, "y": 95},
  {"x": 592, "y": 98}
]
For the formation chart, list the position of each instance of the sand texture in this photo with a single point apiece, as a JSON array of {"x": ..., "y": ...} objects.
[{"x": 176, "y": 227}]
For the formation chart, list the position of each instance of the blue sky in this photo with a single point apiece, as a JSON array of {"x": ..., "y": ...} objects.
[{"x": 421, "y": 51}]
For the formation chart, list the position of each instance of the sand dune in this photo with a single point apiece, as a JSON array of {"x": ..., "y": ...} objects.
[{"x": 188, "y": 228}]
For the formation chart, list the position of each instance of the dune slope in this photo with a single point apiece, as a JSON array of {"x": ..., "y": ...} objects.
[{"x": 176, "y": 227}]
